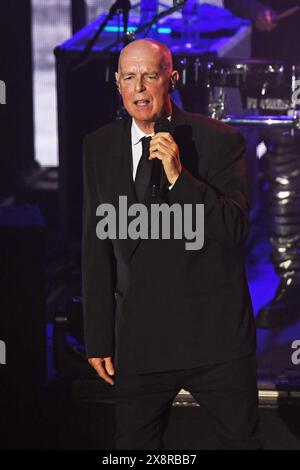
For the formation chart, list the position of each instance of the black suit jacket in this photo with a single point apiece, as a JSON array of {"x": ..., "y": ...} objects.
[{"x": 152, "y": 304}]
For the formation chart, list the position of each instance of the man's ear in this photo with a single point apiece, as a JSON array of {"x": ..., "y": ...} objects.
[
  {"x": 173, "y": 80},
  {"x": 117, "y": 82}
]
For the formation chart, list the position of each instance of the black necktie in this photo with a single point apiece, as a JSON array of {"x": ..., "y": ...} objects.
[{"x": 143, "y": 173}]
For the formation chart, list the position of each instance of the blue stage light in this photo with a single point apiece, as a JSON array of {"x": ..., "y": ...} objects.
[{"x": 115, "y": 29}]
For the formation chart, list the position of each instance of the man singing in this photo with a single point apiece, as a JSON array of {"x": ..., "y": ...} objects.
[{"x": 158, "y": 317}]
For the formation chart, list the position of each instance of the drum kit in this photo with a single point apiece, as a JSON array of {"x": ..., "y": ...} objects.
[
  {"x": 267, "y": 92},
  {"x": 258, "y": 96}
]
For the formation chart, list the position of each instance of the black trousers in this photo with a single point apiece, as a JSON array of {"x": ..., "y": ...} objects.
[{"x": 228, "y": 391}]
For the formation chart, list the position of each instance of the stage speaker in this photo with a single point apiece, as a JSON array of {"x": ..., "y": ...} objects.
[
  {"x": 16, "y": 100},
  {"x": 87, "y": 99},
  {"x": 22, "y": 299}
]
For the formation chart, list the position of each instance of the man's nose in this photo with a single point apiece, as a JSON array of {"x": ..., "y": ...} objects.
[{"x": 139, "y": 85}]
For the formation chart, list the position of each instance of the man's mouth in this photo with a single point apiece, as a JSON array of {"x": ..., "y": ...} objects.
[{"x": 142, "y": 102}]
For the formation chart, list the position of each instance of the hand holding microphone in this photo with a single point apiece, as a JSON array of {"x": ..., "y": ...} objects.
[{"x": 164, "y": 148}]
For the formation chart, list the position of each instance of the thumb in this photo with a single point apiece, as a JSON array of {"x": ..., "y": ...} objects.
[
  {"x": 268, "y": 16},
  {"x": 109, "y": 366}
]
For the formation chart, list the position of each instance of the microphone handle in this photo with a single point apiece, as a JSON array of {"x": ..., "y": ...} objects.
[
  {"x": 155, "y": 177},
  {"x": 162, "y": 125}
]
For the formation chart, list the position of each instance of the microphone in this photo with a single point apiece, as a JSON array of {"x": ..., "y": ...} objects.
[{"x": 161, "y": 125}]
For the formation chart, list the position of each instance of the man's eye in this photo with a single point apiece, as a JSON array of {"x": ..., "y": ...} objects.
[
  {"x": 127, "y": 78},
  {"x": 152, "y": 77}
]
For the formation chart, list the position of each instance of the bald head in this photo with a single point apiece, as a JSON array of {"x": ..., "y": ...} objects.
[
  {"x": 147, "y": 48},
  {"x": 145, "y": 79}
]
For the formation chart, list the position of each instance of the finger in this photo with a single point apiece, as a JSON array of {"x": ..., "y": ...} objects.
[
  {"x": 162, "y": 135},
  {"x": 108, "y": 379},
  {"x": 271, "y": 19},
  {"x": 161, "y": 154},
  {"x": 109, "y": 365},
  {"x": 157, "y": 155},
  {"x": 102, "y": 372},
  {"x": 269, "y": 27},
  {"x": 164, "y": 142},
  {"x": 162, "y": 147},
  {"x": 264, "y": 27},
  {"x": 264, "y": 22},
  {"x": 268, "y": 16}
]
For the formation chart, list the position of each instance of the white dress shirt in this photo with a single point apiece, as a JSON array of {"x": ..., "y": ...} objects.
[{"x": 137, "y": 149}]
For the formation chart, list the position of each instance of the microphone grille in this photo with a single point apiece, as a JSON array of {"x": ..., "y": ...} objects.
[{"x": 162, "y": 125}]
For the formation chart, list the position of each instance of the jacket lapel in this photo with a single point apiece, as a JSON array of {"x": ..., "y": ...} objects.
[
  {"x": 128, "y": 245},
  {"x": 176, "y": 125}
]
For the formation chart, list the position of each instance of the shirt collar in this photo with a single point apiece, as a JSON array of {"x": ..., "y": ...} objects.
[{"x": 137, "y": 134}]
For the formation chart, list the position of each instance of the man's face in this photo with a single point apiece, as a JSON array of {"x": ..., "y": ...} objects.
[{"x": 144, "y": 83}]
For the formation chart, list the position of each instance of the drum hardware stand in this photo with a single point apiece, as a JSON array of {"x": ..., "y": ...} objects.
[
  {"x": 216, "y": 107},
  {"x": 84, "y": 59},
  {"x": 264, "y": 88},
  {"x": 282, "y": 174},
  {"x": 292, "y": 122},
  {"x": 115, "y": 9}
]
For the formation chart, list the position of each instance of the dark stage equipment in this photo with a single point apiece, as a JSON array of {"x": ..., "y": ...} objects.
[
  {"x": 69, "y": 354},
  {"x": 16, "y": 116},
  {"x": 22, "y": 300},
  {"x": 86, "y": 101},
  {"x": 79, "y": 14}
]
